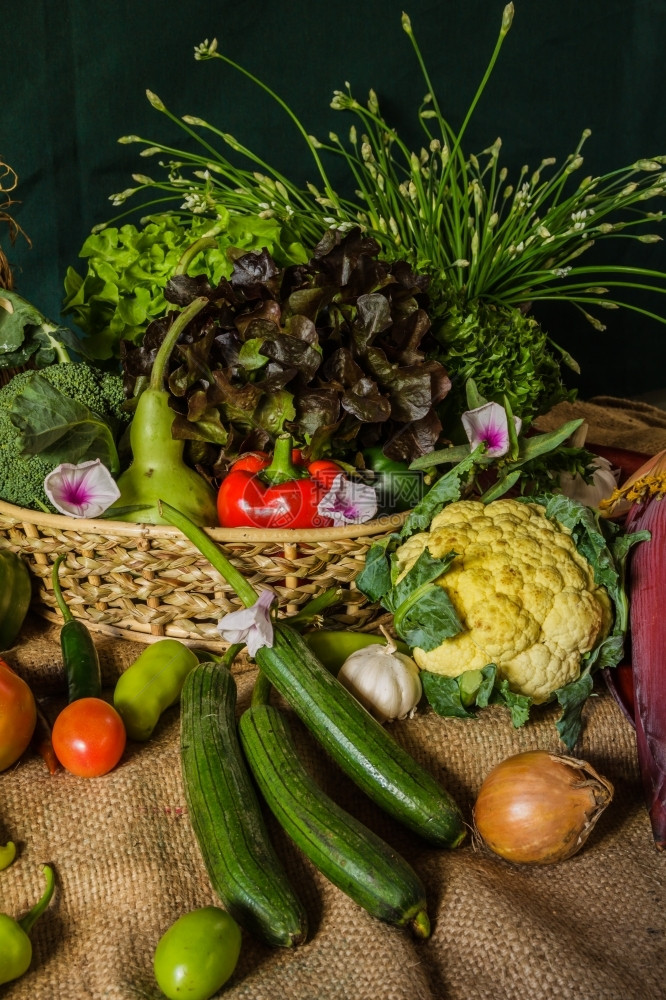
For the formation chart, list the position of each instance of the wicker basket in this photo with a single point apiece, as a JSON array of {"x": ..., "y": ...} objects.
[{"x": 143, "y": 582}]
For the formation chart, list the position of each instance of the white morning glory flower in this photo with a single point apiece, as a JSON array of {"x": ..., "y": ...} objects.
[
  {"x": 489, "y": 425},
  {"x": 253, "y": 626},
  {"x": 348, "y": 502},
  {"x": 84, "y": 490}
]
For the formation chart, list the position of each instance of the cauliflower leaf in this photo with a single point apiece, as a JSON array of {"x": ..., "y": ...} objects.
[{"x": 26, "y": 335}]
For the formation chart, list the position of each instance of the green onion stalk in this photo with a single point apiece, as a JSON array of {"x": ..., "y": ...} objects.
[{"x": 458, "y": 216}]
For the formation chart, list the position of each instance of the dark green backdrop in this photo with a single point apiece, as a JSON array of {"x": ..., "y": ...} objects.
[{"x": 74, "y": 75}]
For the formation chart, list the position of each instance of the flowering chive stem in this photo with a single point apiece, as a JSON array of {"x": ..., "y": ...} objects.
[
  {"x": 454, "y": 215},
  {"x": 285, "y": 107},
  {"x": 194, "y": 135},
  {"x": 257, "y": 160}
]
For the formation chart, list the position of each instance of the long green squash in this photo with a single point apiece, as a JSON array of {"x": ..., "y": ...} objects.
[
  {"x": 350, "y": 855},
  {"x": 244, "y": 870},
  {"x": 363, "y": 748}
]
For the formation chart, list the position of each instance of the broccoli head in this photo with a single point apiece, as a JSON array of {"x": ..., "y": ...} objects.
[{"x": 22, "y": 475}]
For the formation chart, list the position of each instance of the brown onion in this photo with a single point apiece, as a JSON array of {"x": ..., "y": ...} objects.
[{"x": 538, "y": 807}]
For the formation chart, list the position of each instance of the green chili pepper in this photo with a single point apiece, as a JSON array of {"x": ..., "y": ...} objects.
[
  {"x": 79, "y": 653},
  {"x": 15, "y": 944},
  {"x": 397, "y": 486},
  {"x": 7, "y": 854},
  {"x": 332, "y": 648},
  {"x": 15, "y": 595},
  {"x": 151, "y": 684}
]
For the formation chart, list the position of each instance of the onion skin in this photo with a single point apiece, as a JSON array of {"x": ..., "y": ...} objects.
[{"x": 539, "y": 808}]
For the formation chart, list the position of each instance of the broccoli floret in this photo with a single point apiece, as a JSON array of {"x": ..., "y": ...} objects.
[
  {"x": 101, "y": 391},
  {"x": 111, "y": 387},
  {"x": 22, "y": 476}
]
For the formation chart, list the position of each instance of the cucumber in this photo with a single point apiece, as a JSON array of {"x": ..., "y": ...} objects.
[
  {"x": 350, "y": 855},
  {"x": 356, "y": 741},
  {"x": 244, "y": 870},
  {"x": 386, "y": 772}
]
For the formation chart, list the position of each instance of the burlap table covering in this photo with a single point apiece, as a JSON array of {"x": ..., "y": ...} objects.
[
  {"x": 127, "y": 865},
  {"x": 612, "y": 421}
]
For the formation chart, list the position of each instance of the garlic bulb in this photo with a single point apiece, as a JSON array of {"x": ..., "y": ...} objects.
[{"x": 385, "y": 681}]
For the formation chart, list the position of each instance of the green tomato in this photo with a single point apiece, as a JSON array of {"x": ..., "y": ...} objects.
[{"x": 197, "y": 954}]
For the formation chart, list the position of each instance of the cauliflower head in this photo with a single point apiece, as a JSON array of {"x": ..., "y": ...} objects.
[{"x": 526, "y": 597}]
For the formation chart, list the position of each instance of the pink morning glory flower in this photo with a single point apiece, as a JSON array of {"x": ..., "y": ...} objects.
[
  {"x": 84, "y": 490},
  {"x": 489, "y": 425},
  {"x": 253, "y": 626},
  {"x": 348, "y": 503}
]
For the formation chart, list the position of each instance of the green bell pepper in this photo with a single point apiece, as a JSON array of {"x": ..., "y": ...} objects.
[{"x": 398, "y": 487}]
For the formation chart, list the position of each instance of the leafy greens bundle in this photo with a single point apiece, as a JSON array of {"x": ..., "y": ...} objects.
[
  {"x": 128, "y": 267},
  {"x": 334, "y": 351}
]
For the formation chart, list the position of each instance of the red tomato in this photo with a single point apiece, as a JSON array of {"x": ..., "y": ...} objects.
[
  {"x": 88, "y": 737},
  {"x": 18, "y": 716}
]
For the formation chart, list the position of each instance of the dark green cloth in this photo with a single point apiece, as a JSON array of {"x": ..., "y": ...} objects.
[{"x": 74, "y": 75}]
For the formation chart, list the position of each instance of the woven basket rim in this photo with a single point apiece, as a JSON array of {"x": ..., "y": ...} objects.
[{"x": 129, "y": 529}]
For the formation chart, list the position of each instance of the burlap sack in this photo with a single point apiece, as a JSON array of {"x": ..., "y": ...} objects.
[
  {"x": 619, "y": 423},
  {"x": 127, "y": 864}
]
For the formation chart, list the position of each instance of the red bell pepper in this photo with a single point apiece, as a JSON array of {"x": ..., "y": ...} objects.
[{"x": 278, "y": 491}]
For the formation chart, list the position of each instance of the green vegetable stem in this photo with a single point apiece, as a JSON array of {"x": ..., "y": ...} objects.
[
  {"x": 151, "y": 684},
  {"x": 15, "y": 944},
  {"x": 79, "y": 653},
  {"x": 158, "y": 468}
]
